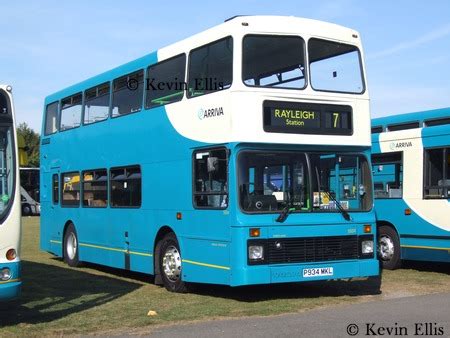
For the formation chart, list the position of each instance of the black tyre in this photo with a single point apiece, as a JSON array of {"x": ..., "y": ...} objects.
[
  {"x": 388, "y": 247},
  {"x": 26, "y": 210},
  {"x": 374, "y": 284},
  {"x": 71, "y": 246},
  {"x": 170, "y": 264}
]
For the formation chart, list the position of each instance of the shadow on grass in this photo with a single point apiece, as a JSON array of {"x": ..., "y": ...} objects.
[
  {"x": 306, "y": 290},
  {"x": 50, "y": 292},
  {"x": 258, "y": 293},
  {"x": 439, "y": 267}
]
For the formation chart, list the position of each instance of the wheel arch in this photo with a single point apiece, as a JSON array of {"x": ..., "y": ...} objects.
[
  {"x": 163, "y": 231},
  {"x": 66, "y": 225},
  {"x": 387, "y": 223}
]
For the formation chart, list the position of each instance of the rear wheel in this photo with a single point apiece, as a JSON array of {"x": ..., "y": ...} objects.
[
  {"x": 71, "y": 246},
  {"x": 389, "y": 247},
  {"x": 170, "y": 264}
]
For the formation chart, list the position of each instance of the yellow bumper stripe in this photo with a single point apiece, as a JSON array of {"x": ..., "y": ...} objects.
[
  {"x": 207, "y": 265},
  {"x": 424, "y": 247},
  {"x": 110, "y": 249},
  {"x": 10, "y": 281}
]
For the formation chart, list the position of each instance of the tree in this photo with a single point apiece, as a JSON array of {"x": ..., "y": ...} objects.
[{"x": 31, "y": 143}]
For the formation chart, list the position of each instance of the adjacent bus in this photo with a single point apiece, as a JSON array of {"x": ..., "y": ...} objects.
[
  {"x": 10, "y": 220},
  {"x": 238, "y": 156},
  {"x": 29, "y": 181},
  {"x": 411, "y": 170}
]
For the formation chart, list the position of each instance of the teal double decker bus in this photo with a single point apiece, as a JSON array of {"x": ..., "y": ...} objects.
[
  {"x": 411, "y": 170},
  {"x": 237, "y": 156}
]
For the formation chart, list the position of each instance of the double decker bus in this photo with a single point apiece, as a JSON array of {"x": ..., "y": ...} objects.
[
  {"x": 10, "y": 220},
  {"x": 237, "y": 156},
  {"x": 411, "y": 172},
  {"x": 29, "y": 181}
]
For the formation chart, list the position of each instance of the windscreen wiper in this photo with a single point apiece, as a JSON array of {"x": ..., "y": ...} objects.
[
  {"x": 285, "y": 212},
  {"x": 339, "y": 206}
]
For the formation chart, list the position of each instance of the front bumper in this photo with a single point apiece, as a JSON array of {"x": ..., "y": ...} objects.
[
  {"x": 10, "y": 289},
  {"x": 289, "y": 273}
]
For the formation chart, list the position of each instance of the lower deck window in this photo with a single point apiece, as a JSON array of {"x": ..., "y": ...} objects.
[
  {"x": 95, "y": 193},
  {"x": 55, "y": 188},
  {"x": 126, "y": 186},
  {"x": 437, "y": 173},
  {"x": 71, "y": 189},
  {"x": 210, "y": 179},
  {"x": 387, "y": 171}
]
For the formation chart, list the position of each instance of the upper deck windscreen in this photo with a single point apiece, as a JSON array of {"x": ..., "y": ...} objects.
[
  {"x": 274, "y": 61},
  {"x": 335, "y": 67}
]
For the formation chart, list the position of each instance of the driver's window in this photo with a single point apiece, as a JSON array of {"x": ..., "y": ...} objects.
[{"x": 211, "y": 179}]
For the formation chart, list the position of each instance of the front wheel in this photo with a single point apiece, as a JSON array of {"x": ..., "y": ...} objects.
[
  {"x": 389, "y": 247},
  {"x": 71, "y": 246},
  {"x": 170, "y": 264}
]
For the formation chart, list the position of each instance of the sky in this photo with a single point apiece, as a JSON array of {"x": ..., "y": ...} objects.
[{"x": 46, "y": 45}]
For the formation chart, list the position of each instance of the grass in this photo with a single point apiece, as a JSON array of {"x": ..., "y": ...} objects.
[{"x": 57, "y": 299}]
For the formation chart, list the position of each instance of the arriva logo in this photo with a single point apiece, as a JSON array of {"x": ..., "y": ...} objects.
[
  {"x": 207, "y": 113},
  {"x": 399, "y": 145}
]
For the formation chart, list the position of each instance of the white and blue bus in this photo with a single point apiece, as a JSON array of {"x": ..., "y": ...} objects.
[
  {"x": 411, "y": 170},
  {"x": 10, "y": 203},
  {"x": 238, "y": 156}
]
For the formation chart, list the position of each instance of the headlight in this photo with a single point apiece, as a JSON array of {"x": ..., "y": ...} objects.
[
  {"x": 366, "y": 247},
  {"x": 256, "y": 252},
  {"x": 5, "y": 274}
]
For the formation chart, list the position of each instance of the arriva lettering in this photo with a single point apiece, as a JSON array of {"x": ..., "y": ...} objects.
[{"x": 207, "y": 113}]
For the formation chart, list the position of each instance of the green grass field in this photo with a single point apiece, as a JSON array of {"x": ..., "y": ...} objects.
[{"x": 59, "y": 300}]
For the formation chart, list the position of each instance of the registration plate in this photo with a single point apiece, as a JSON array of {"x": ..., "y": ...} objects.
[{"x": 315, "y": 272}]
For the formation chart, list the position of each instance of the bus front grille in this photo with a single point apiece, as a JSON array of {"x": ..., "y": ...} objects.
[{"x": 312, "y": 249}]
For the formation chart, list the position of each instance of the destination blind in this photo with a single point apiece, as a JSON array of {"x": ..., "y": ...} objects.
[{"x": 307, "y": 118}]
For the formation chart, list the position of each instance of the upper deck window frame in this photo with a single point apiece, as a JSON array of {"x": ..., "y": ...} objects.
[
  {"x": 440, "y": 121},
  {"x": 189, "y": 63},
  {"x": 148, "y": 73},
  {"x": 97, "y": 88},
  {"x": 61, "y": 108},
  {"x": 361, "y": 67},
  {"x": 58, "y": 104},
  {"x": 139, "y": 86},
  {"x": 403, "y": 126},
  {"x": 305, "y": 60}
]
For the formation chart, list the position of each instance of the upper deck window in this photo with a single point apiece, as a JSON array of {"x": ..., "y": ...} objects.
[
  {"x": 165, "y": 81},
  {"x": 211, "y": 67},
  {"x": 403, "y": 126},
  {"x": 128, "y": 94},
  {"x": 71, "y": 112},
  {"x": 437, "y": 173},
  {"x": 437, "y": 122},
  {"x": 274, "y": 61},
  {"x": 51, "y": 118},
  {"x": 376, "y": 130},
  {"x": 335, "y": 67},
  {"x": 96, "y": 103}
]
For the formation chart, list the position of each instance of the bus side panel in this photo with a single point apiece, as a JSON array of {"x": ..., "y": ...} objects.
[
  {"x": 429, "y": 255},
  {"x": 206, "y": 261},
  {"x": 416, "y": 234}
]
